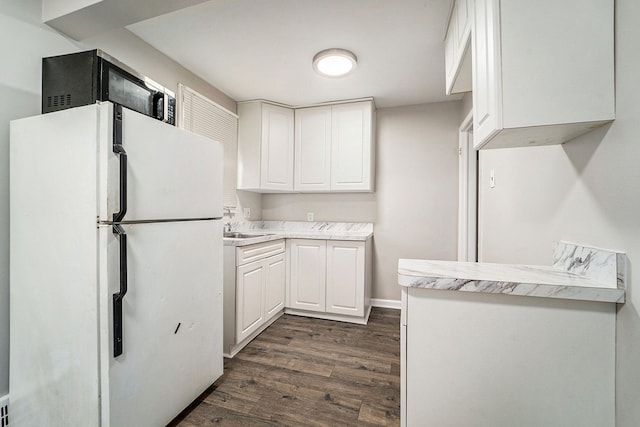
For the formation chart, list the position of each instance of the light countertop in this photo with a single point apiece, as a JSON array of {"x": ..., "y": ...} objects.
[
  {"x": 299, "y": 230},
  {"x": 578, "y": 273}
]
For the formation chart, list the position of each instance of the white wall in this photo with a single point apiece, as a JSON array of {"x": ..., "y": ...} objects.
[
  {"x": 414, "y": 208},
  {"x": 136, "y": 53},
  {"x": 25, "y": 41},
  {"x": 585, "y": 191}
]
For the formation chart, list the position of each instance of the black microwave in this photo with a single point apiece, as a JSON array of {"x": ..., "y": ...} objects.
[{"x": 83, "y": 78}]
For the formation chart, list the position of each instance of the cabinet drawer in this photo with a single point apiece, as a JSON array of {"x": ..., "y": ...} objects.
[{"x": 245, "y": 254}]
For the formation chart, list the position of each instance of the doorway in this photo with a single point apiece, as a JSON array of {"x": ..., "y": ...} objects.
[{"x": 467, "y": 193}]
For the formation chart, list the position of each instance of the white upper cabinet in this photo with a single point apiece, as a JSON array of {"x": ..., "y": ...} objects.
[
  {"x": 352, "y": 147},
  {"x": 543, "y": 71},
  {"x": 334, "y": 148},
  {"x": 313, "y": 149},
  {"x": 265, "y": 147},
  {"x": 457, "y": 48}
]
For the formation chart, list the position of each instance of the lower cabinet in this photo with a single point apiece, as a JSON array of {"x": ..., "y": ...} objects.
[
  {"x": 274, "y": 286},
  {"x": 254, "y": 291},
  {"x": 308, "y": 259},
  {"x": 259, "y": 294},
  {"x": 327, "y": 279},
  {"x": 506, "y": 360},
  {"x": 330, "y": 279},
  {"x": 345, "y": 285}
]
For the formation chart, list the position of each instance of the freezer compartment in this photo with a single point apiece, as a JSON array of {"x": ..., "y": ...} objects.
[
  {"x": 167, "y": 173},
  {"x": 171, "y": 319}
]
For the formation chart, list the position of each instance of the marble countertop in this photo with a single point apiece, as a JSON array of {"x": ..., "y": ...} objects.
[
  {"x": 299, "y": 230},
  {"x": 578, "y": 272}
]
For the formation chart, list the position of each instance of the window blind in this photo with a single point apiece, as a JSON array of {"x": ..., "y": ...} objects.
[{"x": 203, "y": 116}]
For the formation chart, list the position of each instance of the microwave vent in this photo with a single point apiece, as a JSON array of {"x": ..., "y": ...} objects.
[{"x": 59, "y": 100}]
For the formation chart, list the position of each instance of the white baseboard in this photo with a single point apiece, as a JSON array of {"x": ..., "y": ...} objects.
[{"x": 386, "y": 303}]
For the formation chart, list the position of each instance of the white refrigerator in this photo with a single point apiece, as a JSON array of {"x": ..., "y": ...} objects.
[{"x": 116, "y": 268}]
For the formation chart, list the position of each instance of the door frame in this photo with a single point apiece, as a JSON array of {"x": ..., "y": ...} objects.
[{"x": 467, "y": 192}]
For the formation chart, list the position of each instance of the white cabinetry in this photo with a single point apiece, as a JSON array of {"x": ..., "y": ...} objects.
[
  {"x": 249, "y": 298},
  {"x": 313, "y": 149},
  {"x": 352, "y": 147},
  {"x": 330, "y": 279},
  {"x": 543, "y": 71},
  {"x": 254, "y": 291},
  {"x": 457, "y": 48},
  {"x": 334, "y": 148},
  {"x": 345, "y": 291},
  {"x": 308, "y": 259},
  {"x": 265, "y": 147},
  {"x": 275, "y": 285},
  {"x": 496, "y": 354}
]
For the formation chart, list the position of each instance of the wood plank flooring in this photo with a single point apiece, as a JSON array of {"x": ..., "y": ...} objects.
[{"x": 309, "y": 372}]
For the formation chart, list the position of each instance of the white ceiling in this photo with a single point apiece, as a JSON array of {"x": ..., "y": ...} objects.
[{"x": 262, "y": 49}]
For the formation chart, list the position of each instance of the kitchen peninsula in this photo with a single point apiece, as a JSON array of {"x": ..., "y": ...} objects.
[{"x": 504, "y": 345}]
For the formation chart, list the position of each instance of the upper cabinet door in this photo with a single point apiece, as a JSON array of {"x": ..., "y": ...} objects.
[
  {"x": 487, "y": 72},
  {"x": 352, "y": 147},
  {"x": 457, "y": 48},
  {"x": 463, "y": 13},
  {"x": 313, "y": 149},
  {"x": 277, "y": 148},
  {"x": 542, "y": 73}
]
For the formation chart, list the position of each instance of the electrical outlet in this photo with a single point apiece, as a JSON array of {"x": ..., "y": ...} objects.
[
  {"x": 309, "y": 216},
  {"x": 247, "y": 212}
]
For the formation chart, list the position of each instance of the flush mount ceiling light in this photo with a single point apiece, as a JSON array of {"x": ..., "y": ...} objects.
[{"x": 334, "y": 62}]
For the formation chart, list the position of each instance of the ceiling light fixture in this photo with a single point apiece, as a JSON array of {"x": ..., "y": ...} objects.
[{"x": 334, "y": 62}]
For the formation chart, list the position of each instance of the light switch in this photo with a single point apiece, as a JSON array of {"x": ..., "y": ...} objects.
[
  {"x": 492, "y": 178},
  {"x": 247, "y": 212}
]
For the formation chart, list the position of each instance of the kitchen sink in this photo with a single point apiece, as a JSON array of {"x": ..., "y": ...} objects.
[{"x": 239, "y": 235}]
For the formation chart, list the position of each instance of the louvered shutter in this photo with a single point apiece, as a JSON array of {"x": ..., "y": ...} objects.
[{"x": 203, "y": 116}]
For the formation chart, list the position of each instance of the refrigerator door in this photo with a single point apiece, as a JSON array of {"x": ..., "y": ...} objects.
[
  {"x": 171, "y": 323},
  {"x": 170, "y": 173}
]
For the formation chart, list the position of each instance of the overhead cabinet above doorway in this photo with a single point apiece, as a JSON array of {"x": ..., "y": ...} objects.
[
  {"x": 542, "y": 71},
  {"x": 326, "y": 148}
]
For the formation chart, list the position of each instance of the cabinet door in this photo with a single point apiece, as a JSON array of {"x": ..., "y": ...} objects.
[
  {"x": 249, "y": 298},
  {"x": 451, "y": 53},
  {"x": 313, "y": 149},
  {"x": 345, "y": 277},
  {"x": 276, "y": 164},
  {"x": 487, "y": 71},
  {"x": 274, "y": 285},
  {"x": 463, "y": 16},
  {"x": 457, "y": 52},
  {"x": 352, "y": 147},
  {"x": 307, "y": 274}
]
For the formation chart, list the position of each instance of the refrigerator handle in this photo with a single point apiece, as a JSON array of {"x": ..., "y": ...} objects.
[
  {"x": 118, "y": 149},
  {"x": 118, "y": 297}
]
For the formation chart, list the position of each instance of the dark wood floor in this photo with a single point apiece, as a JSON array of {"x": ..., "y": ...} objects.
[{"x": 309, "y": 372}]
